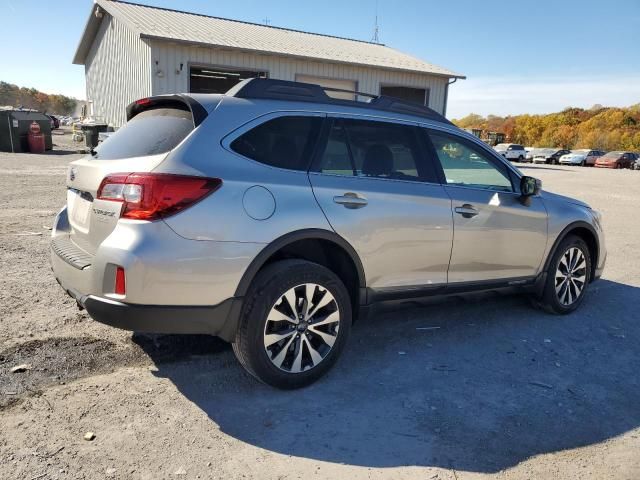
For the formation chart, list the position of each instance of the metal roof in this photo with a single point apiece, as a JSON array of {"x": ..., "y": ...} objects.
[{"x": 173, "y": 25}]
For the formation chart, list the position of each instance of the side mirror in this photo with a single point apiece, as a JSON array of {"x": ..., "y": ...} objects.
[{"x": 529, "y": 187}]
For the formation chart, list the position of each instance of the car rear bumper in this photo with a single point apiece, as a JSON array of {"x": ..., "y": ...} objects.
[
  {"x": 220, "y": 320},
  {"x": 601, "y": 165}
]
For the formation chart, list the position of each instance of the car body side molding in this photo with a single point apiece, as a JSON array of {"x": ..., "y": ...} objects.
[{"x": 421, "y": 291}]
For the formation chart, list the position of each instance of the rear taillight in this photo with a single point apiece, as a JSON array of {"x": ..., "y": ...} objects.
[{"x": 150, "y": 196}]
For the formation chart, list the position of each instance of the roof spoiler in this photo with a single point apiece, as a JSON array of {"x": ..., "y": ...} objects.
[
  {"x": 267, "y": 88},
  {"x": 182, "y": 102}
]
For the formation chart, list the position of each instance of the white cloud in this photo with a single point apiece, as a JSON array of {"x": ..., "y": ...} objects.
[{"x": 516, "y": 95}]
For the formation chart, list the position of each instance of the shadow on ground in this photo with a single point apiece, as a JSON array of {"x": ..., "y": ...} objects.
[
  {"x": 62, "y": 151},
  {"x": 497, "y": 383}
]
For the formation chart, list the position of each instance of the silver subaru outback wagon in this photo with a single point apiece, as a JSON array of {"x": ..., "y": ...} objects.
[{"x": 274, "y": 216}]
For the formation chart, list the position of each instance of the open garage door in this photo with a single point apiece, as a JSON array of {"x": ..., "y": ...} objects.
[
  {"x": 331, "y": 83},
  {"x": 218, "y": 80},
  {"x": 416, "y": 95}
]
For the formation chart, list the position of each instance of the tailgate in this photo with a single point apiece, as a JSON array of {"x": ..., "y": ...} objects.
[{"x": 156, "y": 126}]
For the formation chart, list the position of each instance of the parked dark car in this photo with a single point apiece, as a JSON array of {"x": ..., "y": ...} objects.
[
  {"x": 592, "y": 156},
  {"x": 617, "y": 160},
  {"x": 549, "y": 155}
]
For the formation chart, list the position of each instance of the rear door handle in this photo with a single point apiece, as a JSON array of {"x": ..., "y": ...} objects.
[
  {"x": 351, "y": 200},
  {"x": 467, "y": 211}
]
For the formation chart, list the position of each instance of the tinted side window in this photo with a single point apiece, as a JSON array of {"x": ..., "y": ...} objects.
[
  {"x": 466, "y": 165},
  {"x": 373, "y": 149},
  {"x": 151, "y": 132},
  {"x": 284, "y": 142}
]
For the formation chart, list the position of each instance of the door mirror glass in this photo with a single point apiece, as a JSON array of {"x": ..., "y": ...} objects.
[{"x": 530, "y": 186}]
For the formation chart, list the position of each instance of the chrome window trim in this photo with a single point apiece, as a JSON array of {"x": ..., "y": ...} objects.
[
  {"x": 380, "y": 179},
  {"x": 452, "y": 185}
]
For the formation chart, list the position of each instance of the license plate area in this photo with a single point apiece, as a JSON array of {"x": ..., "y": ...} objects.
[{"x": 79, "y": 209}]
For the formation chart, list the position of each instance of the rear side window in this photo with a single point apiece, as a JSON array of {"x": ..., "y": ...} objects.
[
  {"x": 154, "y": 131},
  {"x": 284, "y": 142}
]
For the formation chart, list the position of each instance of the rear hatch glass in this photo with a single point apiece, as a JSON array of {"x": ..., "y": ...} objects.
[
  {"x": 153, "y": 131},
  {"x": 139, "y": 146}
]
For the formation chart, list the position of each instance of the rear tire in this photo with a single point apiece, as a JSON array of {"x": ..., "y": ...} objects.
[
  {"x": 290, "y": 346},
  {"x": 567, "y": 277}
]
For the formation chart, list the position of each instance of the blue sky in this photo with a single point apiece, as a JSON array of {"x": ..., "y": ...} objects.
[{"x": 535, "y": 56}]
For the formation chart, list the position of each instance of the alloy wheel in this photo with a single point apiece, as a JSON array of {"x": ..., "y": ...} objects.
[
  {"x": 571, "y": 276},
  {"x": 301, "y": 328}
]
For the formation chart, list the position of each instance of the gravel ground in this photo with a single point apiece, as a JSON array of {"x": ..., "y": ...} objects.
[{"x": 498, "y": 389}]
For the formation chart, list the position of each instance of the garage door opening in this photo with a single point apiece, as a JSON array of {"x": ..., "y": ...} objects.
[
  {"x": 217, "y": 80},
  {"x": 340, "y": 84},
  {"x": 416, "y": 95}
]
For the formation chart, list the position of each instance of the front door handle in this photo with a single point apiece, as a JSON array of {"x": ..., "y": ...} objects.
[
  {"x": 467, "y": 211},
  {"x": 351, "y": 200}
]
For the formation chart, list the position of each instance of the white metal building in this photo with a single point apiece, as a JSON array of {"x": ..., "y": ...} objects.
[{"x": 132, "y": 51}]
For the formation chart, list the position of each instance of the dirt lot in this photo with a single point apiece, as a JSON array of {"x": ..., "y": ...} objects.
[{"x": 499, "y": 389}]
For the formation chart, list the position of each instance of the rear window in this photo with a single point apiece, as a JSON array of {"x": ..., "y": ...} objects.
[
  {"x": 284, "y": 142},
  {"x": 154, "y": 131}
]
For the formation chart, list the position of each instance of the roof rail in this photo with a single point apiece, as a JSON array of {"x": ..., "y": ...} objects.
[{"x": 268, "y": 88}]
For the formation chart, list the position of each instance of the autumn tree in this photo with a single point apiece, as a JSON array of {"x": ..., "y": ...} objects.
[
  {"x": 14, "y": 96},
  {"x": 598, "y": 127}
]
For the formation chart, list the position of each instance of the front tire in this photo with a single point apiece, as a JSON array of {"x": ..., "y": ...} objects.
[
  {"x": 567, "y": 277},
  {"x": 295, "y": 322}
]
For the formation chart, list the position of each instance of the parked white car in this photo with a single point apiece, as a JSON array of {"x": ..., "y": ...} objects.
[
  {"x": 511, "y": 151},
  {"x": 576, "y": 157}
]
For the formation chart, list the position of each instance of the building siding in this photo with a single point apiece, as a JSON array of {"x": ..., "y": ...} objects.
[
  {"x": 117, "y": 70},
  {"x": 170, "y": 55}
]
